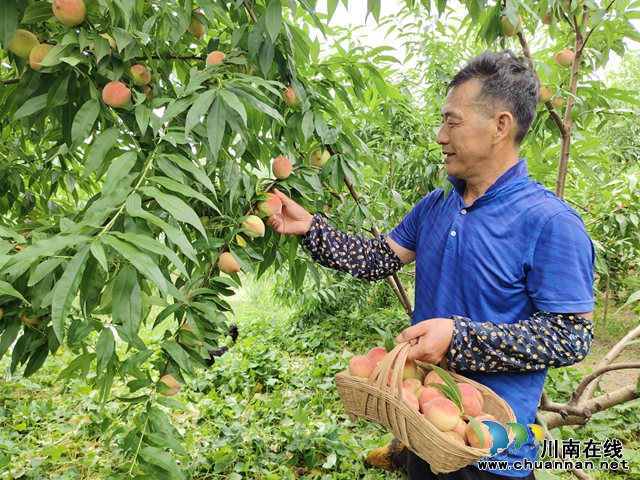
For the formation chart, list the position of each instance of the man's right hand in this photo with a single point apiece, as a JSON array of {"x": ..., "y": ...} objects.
[{"x": 294, "y": 220}]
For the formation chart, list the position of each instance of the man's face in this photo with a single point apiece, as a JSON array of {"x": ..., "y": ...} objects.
[{"x": 466, "y": 134}]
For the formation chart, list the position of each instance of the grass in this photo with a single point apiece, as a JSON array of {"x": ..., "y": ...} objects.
[{"x": 267, "y": 409}]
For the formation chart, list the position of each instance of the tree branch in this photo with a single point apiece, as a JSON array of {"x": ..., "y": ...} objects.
[
  {"x": 598, "y": 372},
  {"x": 250, "y": 10},
  {"x": 9, "y": 81}
]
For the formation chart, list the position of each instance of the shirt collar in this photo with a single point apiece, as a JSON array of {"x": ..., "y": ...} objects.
[{"x": 516, "y": 171}]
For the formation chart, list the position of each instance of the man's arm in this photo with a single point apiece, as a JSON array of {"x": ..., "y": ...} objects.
[
  {"x": 370, "y": 259},
  {"x": 541, "y": 341}
]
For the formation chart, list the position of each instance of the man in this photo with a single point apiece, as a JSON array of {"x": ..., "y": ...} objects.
[{"x": 493, "y": 257}]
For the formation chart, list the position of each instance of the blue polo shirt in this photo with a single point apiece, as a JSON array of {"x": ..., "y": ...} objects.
[{"x": 516, "y": 250}]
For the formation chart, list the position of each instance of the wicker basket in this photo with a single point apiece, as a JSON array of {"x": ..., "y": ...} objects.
[{"x": 372, "y": 400}]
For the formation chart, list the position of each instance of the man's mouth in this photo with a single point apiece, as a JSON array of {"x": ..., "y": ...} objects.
[{"x": 448, "y": 156}]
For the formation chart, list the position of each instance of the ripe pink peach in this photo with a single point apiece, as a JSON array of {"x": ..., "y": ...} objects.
[
  {"x": 281, "y": 167},
  {"x": 289, "y": 97},
  {"x": 474, "y": 439},
  {"x": 270, "y": 207},
  {"x": 564, "y": 58},
  {"x": 430, "y": 393},
  {"x": 361, "y": 366},
  {"x": 442, "y": 413},
  {"x": 216, "y": 57},
  {"x": 410, "y": 397},
  {"x": 455, "y": 437},
  {"x": 377, "y": 354},
  {"x": 472, "y": 401},
  {"x": 141, "y": 76},
  {"x": 412, "y": 384},
  {"x": 433, "y": 377},
  {"x": 255, "y": 226},
  {"x": 116, "y": 94},
  {"x": 461, "y": 430}
]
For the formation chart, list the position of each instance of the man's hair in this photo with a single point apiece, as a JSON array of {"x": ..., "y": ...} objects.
[{"x": 508, "y": 83}]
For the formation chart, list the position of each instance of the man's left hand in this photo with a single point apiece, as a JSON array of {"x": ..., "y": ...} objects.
[{"x": 430, "y": 339}]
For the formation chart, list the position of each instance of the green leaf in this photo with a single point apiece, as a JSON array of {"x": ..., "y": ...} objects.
[
  {"x": 67, "y": 290},
  {"x": 37, "y": 12},
  {"x": 127, "y": 304},
  {"x": 182, "y": 189},
  {"x": 174, "y": 234},
  {"x": 172, "y": 403},
  {"x": 31, "y": 106},
  {"x": 154, "y": 246},
  {"x": 176, "y": 207},
  {"x": 164, "y": 439},
  {"x": 9, "y": 335},
  {"x": 97, "y": 250},
  {"x": 274, "y": 19},
  {"x": 36, "y": 361},
  {"x": 135, "y": 361},
  {"x": 197, "y": 172},
  {"x": 198, "y": 110},
  {"x": 7, "y": 289},
  {"x": 177, "y": 353},
  {"x": 453, "y": 392},
  {"x": 83, "y": 121},
  {"x": 140, "y": 260},
  {"x": 43, "y": 248},
  {"x": 101, "y": 145},
  {"x": 105, "y": 347},
  {"x": 143, "y": 115},
  {"x": 233, "y": 102},
  {"x": 163, "y": 460},
  {"x": 57, "y": 53},
  {"x": 8, "y": 21},
  {"x": 119, "y": 169},
  {"x": 57, "y": 94},
  {"x": 476, "y": 428},
  {"x": 215, "y": 126}
]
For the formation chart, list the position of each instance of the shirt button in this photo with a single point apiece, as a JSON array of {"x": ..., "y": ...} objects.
[
  {"x": 463, "y": 211},
  {"x": 453, "y": 233}
]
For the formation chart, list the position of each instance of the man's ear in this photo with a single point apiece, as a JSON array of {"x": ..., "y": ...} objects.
[{"x": 504, "y": 127}]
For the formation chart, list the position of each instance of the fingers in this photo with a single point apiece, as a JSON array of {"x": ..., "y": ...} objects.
[
  {"x": 286, "y": 201},
  {"x": 412, "y": 332}
]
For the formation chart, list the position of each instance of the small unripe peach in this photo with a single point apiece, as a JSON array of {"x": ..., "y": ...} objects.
[
  {"x": 148, "y": 91},
  {"x": 216, "y": 57},
  {"x": 37, "y": 54},
  {"x": 270, "y": 207},
  {"x": 547, "y": 19},
  {"x": 116, "y": 94},
  {"x": 377, "y": 354},
  {"x": 173, "y": 384},
  {"x": 22, "y": 43},
  {"x": 289, "y": 97},
  {"x": 255, "y": 226},
  {"x": 557, "y": 102},
  {"x": 361, "y": 366},
  {"x": 319, "y": 157},
  {"x": 228, "y": 264},
  {"x": 196, "y": 28},
  {"x": 442, "y": 413},
  {"x": 508, "y": 29},
  {"x": 141, "y": 76},
  {"x": 69, "y": 12},
  {"x": 564, "y": 58},
  {"x": 281, "y": 167}
]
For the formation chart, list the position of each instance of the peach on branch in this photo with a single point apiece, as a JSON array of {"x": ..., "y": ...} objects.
[
  {"x": 196, "y": 28},
  {"x": 141, "y": 75},
  {"x": 442, "y": 413},
  {"x": 377, "y": 354},
  {"x": 148, "y": 91},
  {"x": 547, "y": 19},
  {"x": 564, "y": 58},
  {"x": 557, "y": 102},
  {"x": 289, "y": 97},
  {"x": 69, "y": 12},
  {"x": 270, "y": 207},
  {"x": 507, "y": 27},
  {"x": 566, "y": 6},
  {"x": 116, "y": 94},
  {"x": 228, "y": 264},
  {"x": 37, "y": 54},
  {"x": 472, "y": 401},
  {"x": 22, "y": 43},
  {"x": 281, "y": 167},
  {"x": 185, "y": 327},
  {"x": 319, "y": 157},
  {"x": 255, "y": 226},
  {"x": 545, "y": 94},
  {"x": 173, "y": 385},
  {"x": 216, "y": 58},
  {"x": 29, "y": 321},
  {"x": 361, "y": 366}
]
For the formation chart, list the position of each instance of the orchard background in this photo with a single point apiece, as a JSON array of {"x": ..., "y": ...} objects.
[{"x": 113, "y": 220}]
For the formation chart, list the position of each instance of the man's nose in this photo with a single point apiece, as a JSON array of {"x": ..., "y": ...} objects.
[{"x": 443, "y": 137}]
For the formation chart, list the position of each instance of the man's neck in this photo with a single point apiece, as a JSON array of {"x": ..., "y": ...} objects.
[{"x": 477, "y": 186}]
